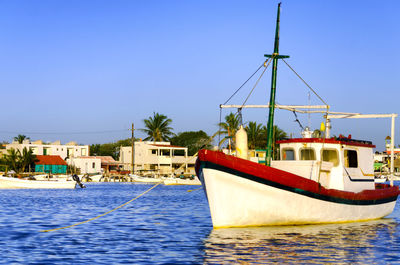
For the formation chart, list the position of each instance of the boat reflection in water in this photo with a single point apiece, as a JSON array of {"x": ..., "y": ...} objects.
[{"x": 363, "y": 243}]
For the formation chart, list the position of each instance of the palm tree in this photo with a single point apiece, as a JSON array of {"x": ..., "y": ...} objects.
[
  {"x": 229, "y": 127},
  {"x": 254, "y": 135},
  {"x": 278, "y": 134},
  {"x": 27, "y": 159},
  {"x": 157, "y": 128},
  {"x": 20, "y": 138},
  {"x": 13, "y": 159}
]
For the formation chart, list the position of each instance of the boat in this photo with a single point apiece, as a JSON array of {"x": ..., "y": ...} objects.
[
  {"x": 144, "y": 179},
  {"x": 16, "y": 183},
  {"x": 316, "y": 180},
  {"x": 180, "y": 181}
]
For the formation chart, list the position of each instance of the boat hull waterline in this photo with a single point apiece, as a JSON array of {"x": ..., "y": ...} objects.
[
  {"x": 242, "y": 193},
  {"x": 15, "y": 183}
]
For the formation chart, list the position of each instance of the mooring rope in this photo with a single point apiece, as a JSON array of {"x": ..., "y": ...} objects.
[
  {"x": 195, "y": 189},
  {"x": 94, "y": 218}
]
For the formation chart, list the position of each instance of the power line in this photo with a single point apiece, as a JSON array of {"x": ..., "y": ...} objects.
[{"x": 63, "y": 133}]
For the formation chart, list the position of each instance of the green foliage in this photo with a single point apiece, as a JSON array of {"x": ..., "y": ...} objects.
[
  {"x": 20, "y": 138},
  {"x": 278, "y": 134},
  {"x": 229, "y": 127},
  {"x": 109, "y": 149},
  {"x": 194, "y": 141},
  {"x": 157, "y": 128},
  {"x": 255, "y": 135},
  {"x": 126, "y": 142},
  {"x": 17, "y": 161}
]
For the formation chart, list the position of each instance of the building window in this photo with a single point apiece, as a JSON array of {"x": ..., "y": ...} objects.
[
  {"x": 83, "y": 152},
  {"x": 46, "y": 151},
  {"x": 350, "y": 158},
  {"x": 153, "y": 152},
  {"x": 307, "y": 154},
  {"x": 93, "y": 165},
  {"x": 165, "y": 152},
  {"x": 330, "y": 155},
  {"x": 288, "y": 154}
]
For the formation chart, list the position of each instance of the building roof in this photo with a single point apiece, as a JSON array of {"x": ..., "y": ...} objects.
[
  {"x": 50, "y": 160},
  {"x": 167, "y": 146},
  {"x": 104, "y": 159}
]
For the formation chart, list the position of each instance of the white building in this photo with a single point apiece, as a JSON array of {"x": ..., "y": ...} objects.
[
  {"x": 71, "y": 149},
  {"x": 86, "y": 164},
  {"x": 157, "y": 158}
]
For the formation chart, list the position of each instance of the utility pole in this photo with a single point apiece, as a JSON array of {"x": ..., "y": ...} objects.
[{"x": 133, "y": 150}]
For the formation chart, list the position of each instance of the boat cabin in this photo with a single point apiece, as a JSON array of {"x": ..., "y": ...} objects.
[{"x": 337, "y": 163}]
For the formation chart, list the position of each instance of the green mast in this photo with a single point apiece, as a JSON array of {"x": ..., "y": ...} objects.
[{"x": 275, "y": 56}]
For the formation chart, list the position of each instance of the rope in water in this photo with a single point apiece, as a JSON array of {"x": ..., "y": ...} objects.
[
  {"x": 94, "y": 218},
  {"x": 194, "y": 189}
]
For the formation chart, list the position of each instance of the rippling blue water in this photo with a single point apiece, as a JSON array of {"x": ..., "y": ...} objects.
[{"x": 170, "y": 225}]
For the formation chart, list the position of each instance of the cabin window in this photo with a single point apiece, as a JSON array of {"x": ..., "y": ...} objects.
[
  {"x": 350, "y": 158},
  {"x": 288, "y": 154},
  {"x": 330, "y": 155},
  {"x": 307, "y": 154}
]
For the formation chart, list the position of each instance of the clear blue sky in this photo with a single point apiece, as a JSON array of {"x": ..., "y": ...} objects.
[{"x": 72, "y": 67}]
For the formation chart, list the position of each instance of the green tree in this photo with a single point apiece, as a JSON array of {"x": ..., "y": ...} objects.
[
  {"x": 194, "y": 141},
  {"x": 27, "y": 159},
  {"x": 255, "y": 135},
  {"x": 20, "y": 138},
  {"x": 229, "y": 127},
  {"x": 278, "y": 134},
  {"x": 13, "y": 159},
  {"x": 109, "y": 149},
  {"x": 157, "y": 128}
]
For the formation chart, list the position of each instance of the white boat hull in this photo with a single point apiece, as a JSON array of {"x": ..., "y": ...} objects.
[
  {"x": 15, "y": 183},
  {"x": 145, "y": 179},
  {"x": 240, "y": 202},
  {"x": 177, "y": 181}
]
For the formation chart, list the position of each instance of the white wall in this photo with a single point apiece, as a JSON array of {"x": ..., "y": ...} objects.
[
  {"x": 87, "y": 165},
  {"x": 144, "y": 156}
]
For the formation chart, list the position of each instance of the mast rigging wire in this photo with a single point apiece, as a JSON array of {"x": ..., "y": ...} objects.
[
  {"x": 315, "y": 93},
  {"x": 245, "y": 82},
  {"x": 220, "y": 109}
]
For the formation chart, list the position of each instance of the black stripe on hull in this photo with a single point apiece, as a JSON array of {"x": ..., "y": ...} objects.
[{"x": 207, "y": 164}]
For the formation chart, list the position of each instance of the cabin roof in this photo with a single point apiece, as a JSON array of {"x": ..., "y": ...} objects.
[{"x": 342, "y": 141}]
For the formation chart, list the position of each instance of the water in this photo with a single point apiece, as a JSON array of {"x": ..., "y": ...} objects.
[{"x": 170, "y": 225}]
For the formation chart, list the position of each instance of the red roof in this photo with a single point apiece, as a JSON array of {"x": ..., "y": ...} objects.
[{"x": 50, "y": 160}]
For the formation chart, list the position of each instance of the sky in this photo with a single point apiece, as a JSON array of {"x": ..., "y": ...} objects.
[{"x": 85, "y": 71}]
